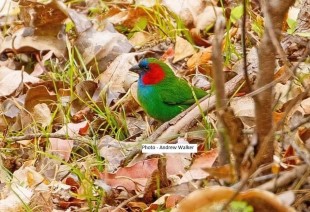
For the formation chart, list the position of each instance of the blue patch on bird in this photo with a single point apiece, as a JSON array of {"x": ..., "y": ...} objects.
[{"x": 144, "y": 64}]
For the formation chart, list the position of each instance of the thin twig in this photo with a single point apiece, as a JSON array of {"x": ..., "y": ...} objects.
[
  {"x": 219, "y": 82},
  {"x": 44, "y": 135},
  {"x": 285, "y": 178},
  {"x": 126, "y": 202},
  {"x": 217, "y": 64},
  {"x": 280, "y": 132},
  {"x": 243, "y": 34}
]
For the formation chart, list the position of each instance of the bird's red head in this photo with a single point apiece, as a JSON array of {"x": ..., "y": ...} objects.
[{"x": 150, "y": 71}]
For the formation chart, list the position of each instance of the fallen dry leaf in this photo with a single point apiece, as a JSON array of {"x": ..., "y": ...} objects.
[
  {"x": 201, "y": 161},
  {"x": 137, "y": 206},
  {"x": 283, "y": 74},
  {"x": 187, "y": 10},
  {"x": 214, "y": 197},
  {"x": 84, "y": 91},
  {"x": 305, "y": 104},
  {"x": 16, "y": 199},
  {"x": 113, "y": 151},
  {"x": 277, "y": 116},
  {"x": 132, "y": 177},
  {"x": 10, "y": 107},
  {"x": 71, "y": 202},
  {"x": 136, "y": 176},
  {"x": 97, "y": 48},
  {"x": 140, "y": 38},
  {"x": 39, "y": 68},
  {"x": 208, "y": 17},
  {"x": 3, "y": 123},
  {"x": 39, "y": 95},
  {"x": 182, "y": 49},
  {"x": 243, "y": 108},
  {"x": 205, "y": 159},
  {"x": 44, "y": 23},
  {"x": 42, "y": 114},
  {"x": 117, "y": 74},
  {"x": 10, "y": 80},
  {"x": 63, "y": 147},
  {"x": 116, "y": 79},
  {"x": 202, "y": 61},
  {"x": 225, "y": 173},
  {"x": 8, "y": 12},
  {"x": 127, "y": 18},
  {"x": 286, "y": 92},
  {"x": 198, "y": 38},
  {"x": 23, "y": 41},
  {"x": 167, "y": 200}
]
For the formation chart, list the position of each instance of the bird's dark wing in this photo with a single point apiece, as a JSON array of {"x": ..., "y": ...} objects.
[{"x": 180, "y": 93}]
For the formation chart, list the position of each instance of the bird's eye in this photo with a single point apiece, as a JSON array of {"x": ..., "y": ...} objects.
[{"x": 144, "y": 64}]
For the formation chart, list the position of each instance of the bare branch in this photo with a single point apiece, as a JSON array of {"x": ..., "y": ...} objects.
[{"x": 274, "y": 12}]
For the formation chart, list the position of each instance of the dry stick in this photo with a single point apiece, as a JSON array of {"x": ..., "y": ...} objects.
[
  {"x": 264, "y": 178},
  {"x": 124, "y": 203},
  {"x": 275, "y": 42},
  {"x": 263, "y": 101},
  {"x": 277, "y": 45},
  {"x": 243, "y": 36},
  {"x": 285, "y": 178},
  {"x": 304, "y": 121},
  {"x": 272, "y": 131},
  {"x": 256, "y": 162},
  {"x": 221, "y": 101},
  {"x": 280, "y": 132},
  {"x": 217, "y": 64},
  {"x": 45, "y": 135},
  {"x": 265, "y": 142},
  {"x": 265, "y": 146}
]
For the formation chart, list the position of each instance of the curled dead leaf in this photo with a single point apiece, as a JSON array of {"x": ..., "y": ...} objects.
[
  {"x": 37, "y": 95},
  {"x": 29, "y": 43},
  {"x": 198, "y": 38},
  {"x": 202, "y": 61},
  {"x": 214, "y": 198}
]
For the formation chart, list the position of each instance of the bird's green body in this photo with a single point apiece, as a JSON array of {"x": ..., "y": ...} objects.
[{"x": 161, "y": 94}]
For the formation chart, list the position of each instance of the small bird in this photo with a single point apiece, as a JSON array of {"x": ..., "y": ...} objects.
[{"x": 162, "y": 94}]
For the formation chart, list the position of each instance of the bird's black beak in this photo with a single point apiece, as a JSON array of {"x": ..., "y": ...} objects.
[{"x": 136, "y": 69}]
